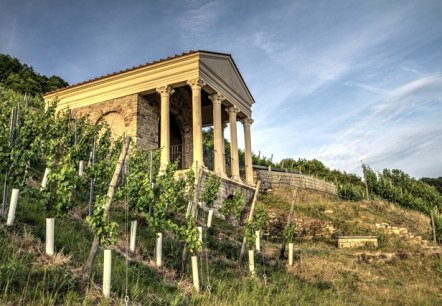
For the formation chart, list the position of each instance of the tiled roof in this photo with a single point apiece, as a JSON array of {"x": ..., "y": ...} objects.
[{"x": 134, "y": 68}]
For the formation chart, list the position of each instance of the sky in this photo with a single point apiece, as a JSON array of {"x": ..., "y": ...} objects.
[{"x": 339, "y": 81}]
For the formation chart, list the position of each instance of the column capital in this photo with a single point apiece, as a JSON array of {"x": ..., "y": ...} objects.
[
  {"x": 165, "y": 90},
  {"x": 217, "y": 98},
  {"x": 247, "y": 121},
  {"x": 233, "y": 110},
  {"x": 196, "y": 83}
]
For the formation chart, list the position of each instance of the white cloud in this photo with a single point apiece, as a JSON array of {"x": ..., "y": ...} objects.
[
  {"x": 379, "y": 140},
  {"x": 195, "y": 21}
]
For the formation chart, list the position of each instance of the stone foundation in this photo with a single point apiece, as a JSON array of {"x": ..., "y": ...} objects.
[{"x": 356, "y": 241}]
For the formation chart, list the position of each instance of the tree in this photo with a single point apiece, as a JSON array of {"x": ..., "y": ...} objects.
[{"x": 23, "y": 79}]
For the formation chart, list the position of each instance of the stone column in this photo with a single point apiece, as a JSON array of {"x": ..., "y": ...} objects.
[
  {"x": 165, "y": 92},
  {"x": 248, "y": 150},
  {"x": 196, "y": 85},
  {"x": 234, "y": 159},
  {"x": 218, "y": 134}
]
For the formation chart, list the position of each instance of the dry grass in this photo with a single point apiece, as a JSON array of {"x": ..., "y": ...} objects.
[{"x": 400, "y": 274}]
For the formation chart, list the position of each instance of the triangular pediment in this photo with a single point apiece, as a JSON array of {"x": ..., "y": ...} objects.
[{"x": 221, "y": 69}]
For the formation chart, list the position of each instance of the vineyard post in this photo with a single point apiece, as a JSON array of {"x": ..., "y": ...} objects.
[
  {"x": 159, "y": 250},
  {"x": 289, "y": 220},
  {"x": 195, "y": 275},
  {"x": 81, "y": 168},
  {"x": 44, "y": 181},
  {"x": 107, "y": 269},
  {"x": 252, "y": 262},
  {"x": 110, "y": 195},
  {"x": 50, "y": 236},
  {"x": 12, "y": 207},
  {"x": 258, "y": 241},
  {"x": 250, "y": 218},
  {"x": 209, "y": 218},
  {"x": 291, "y": 254},
  {"x": 133, "y": 235},
  {"x": 200, "y": 230}
]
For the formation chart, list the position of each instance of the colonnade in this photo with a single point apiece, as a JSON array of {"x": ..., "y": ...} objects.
[{"x": 219, "y": 151}]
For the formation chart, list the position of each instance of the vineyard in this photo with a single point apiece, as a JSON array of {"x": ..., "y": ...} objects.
[
  {"x": 88, "y": 219},
  {"x": 67, "y": 168}
]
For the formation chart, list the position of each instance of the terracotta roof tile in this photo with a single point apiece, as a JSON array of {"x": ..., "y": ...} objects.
[{"x": 134, "y": 68}]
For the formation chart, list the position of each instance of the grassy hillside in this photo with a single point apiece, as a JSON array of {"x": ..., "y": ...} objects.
[{"x": 400, "y": 272}]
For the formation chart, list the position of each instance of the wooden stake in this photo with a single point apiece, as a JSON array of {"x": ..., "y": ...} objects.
[
  {"x": 251, "y": 213},
  {"x": 289, "y": 220},
  {"x": 434, "y": 227},
  {"x": 366, "y": 184},
  {"x": 199, "y": 180},
  {"x": 110, "y": 196}
]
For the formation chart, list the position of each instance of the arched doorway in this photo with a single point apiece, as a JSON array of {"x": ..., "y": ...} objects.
[{"x": 115, "y": 122}]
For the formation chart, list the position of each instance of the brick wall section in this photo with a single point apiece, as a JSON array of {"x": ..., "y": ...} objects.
[
  {"x": 356, "y": 241},
  {"x": 119, "y": 113},
  {"x": 148, "y": 120},
  {"x": 272, "y": 179}
]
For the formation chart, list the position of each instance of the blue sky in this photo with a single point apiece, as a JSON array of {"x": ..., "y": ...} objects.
[{"x": 341, "y": 81}]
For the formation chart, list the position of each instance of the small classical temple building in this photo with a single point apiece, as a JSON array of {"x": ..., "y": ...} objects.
[{"x": 166, "y": 104}]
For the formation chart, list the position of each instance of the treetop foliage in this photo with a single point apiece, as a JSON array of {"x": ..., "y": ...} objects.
[
  {"x": 23, "y": 79},
  {"x": 435, "y": 182}
]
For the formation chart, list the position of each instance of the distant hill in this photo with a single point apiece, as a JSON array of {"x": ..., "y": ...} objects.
[{"x": 22, "y": 78}]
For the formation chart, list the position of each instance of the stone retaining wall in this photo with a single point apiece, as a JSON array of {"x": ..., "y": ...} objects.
[
  {"x": 272, "y": 179},
  {"x": 227, "y": 189},
  {"x": 306, "y": 228},
  {"x": 356, "y": 241}
]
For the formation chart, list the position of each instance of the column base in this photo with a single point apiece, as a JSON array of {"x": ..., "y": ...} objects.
[
  {"x": 221, "y": 174},
  {"x": 236, "y": 179},
  {"x": 195, "y": 166}
]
